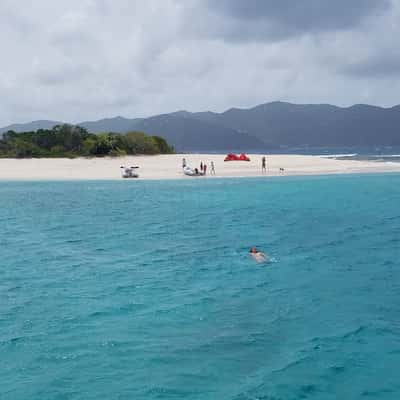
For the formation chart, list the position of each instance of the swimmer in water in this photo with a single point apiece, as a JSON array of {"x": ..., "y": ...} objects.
[{"x": 258, "y": 255}]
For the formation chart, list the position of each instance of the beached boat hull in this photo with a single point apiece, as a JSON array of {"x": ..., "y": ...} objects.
[{"x": 191, "y": 172}]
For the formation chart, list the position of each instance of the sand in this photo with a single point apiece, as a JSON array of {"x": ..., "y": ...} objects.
[{"x": 169, "y": 167}]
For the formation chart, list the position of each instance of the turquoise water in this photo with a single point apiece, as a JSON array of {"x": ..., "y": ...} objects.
[{"x": 144, "y": 290}]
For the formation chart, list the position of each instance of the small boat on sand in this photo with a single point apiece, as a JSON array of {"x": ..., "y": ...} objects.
[
  {"x": 129, "y": 172},
  {"x": 192, "y": 171}
]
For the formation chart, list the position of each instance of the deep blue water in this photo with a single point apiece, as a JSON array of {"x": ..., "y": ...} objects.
[
  {"x": 144, "y": 290},
  {"x": 387, "y": 153}
]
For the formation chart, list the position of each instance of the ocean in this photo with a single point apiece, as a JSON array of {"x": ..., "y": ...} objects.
[
  {"x": 145, "y": 290},
  {"x": 366, "y": 153}
]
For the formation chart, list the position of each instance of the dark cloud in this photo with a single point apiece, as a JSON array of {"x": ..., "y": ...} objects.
[{"x": 271, "y": 19}]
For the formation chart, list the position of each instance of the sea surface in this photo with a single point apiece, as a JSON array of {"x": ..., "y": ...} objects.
[
  {"x": 365, "y": 153},
  {"x": 145, "y": 290}
]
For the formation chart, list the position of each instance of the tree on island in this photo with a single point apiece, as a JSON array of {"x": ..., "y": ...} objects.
[{"x": 75, "y": 141}]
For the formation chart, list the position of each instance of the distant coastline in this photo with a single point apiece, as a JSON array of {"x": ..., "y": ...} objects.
[
  {"x": 68, "y": 141},
  {"x": 271, "y": 127}
]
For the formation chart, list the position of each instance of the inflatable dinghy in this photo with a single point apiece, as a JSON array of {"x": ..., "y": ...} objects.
[
  {"x": 192, "y": 171},
  {"x": 128, "y": 172}
]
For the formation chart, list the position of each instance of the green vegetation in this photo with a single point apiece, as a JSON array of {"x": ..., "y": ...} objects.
[{"x": 74, "y": 141}]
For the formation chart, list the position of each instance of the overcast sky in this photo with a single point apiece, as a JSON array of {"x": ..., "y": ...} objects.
[{"x": 87, "y": 59}]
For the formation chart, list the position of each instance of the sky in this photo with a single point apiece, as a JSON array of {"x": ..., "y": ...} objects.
[{"x": 80, "y": 60}]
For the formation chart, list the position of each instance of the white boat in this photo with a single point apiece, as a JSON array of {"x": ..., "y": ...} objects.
[
  {"x": 192, "y": 171},
  {"x": 128, "y": 172}
]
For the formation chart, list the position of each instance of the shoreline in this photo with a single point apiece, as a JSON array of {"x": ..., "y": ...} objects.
[
  {"x": 270, "y": 177},
  {"x": 169, "y": 167}
]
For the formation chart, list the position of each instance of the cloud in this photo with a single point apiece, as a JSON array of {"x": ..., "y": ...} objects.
[
  {"x": 87, "y": 59},
  {"x": 377, "y": 67},
  {"x": 268, "y": 20},
  {"x": 368, "y": 52}
]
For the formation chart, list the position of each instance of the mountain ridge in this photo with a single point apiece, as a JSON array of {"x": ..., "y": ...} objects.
[{"x": 272, "y": 124}]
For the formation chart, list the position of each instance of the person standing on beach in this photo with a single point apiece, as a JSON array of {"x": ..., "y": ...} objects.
[
  {"x": 205, "y": 168},
  {"x": 212, "y": 172},
  {"x": 183, "y": 162},
  {"x": 201, "y": 166},
  {"x": 264, "y": 164}
]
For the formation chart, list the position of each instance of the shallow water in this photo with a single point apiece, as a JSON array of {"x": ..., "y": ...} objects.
[{"x": 144, "y": 290}]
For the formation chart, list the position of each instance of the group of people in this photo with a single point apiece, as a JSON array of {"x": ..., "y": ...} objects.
[{"x": 203, "y": 167}]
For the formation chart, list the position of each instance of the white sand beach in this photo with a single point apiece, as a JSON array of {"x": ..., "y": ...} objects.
[{"x": 170, "y": 167}]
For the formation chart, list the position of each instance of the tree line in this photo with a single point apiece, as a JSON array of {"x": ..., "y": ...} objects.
[{"x": 75, "y": 141}]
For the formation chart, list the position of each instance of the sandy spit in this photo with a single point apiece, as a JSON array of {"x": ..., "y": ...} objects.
[{"x": 170, "y": 167}]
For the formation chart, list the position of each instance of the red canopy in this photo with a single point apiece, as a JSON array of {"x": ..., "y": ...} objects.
[{"x": 235, "y": 157}]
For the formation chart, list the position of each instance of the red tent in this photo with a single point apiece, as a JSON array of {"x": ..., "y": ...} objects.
[
  {"x": 231, "y": 157},
  {"x": 243, "y": 157},
  {"x": 235, "y": 157}
]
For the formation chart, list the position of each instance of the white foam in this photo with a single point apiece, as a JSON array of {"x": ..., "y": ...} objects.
[{"x": 338, "y": 155}]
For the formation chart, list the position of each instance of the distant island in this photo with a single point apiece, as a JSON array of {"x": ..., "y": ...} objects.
[
  {"x": 266, "y": 127},
  {"x": 74, "y": 141}
]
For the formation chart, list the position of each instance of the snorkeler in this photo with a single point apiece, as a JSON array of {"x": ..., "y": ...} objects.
[{"x": 258, "y": 255}]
